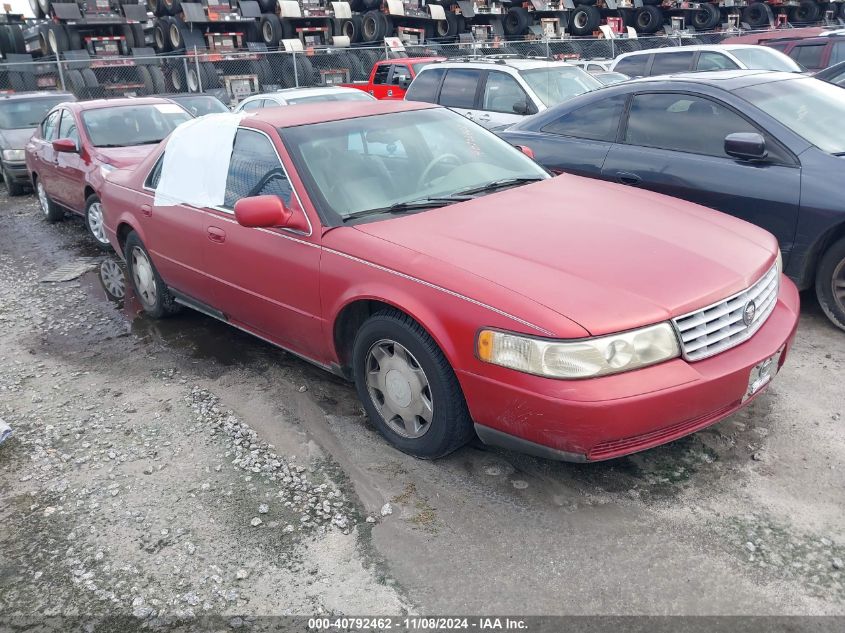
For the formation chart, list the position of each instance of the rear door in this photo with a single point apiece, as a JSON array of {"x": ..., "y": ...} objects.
[
  {"x": 501, "y": 95},
  {"x": 398, "y": 80},
  {"x": 266, "y": 280},
  {"x": 673, "y": 143},
  {"x": 70, "y": 167},
  {"x": 671, "y": 63},
  {"x": 380, "y": 85},
  {"x": 46, "y": 155},
  {"x": 460, "y": 91}
]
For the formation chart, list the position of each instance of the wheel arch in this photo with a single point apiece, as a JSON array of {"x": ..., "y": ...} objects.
[
  {"x": 89, "y": 191},
  {"x": 807, "y": 276},
  {"x": 122, "y": 232}
]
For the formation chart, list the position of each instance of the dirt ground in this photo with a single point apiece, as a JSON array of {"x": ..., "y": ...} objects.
[{"x": 180, "y": 468}]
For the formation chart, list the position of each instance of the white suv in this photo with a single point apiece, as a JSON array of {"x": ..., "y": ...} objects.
[
  {"x": 682, "y": 59},
  {"x": 499, "y": 91}
]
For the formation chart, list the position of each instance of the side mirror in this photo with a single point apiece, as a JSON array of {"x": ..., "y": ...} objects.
[
  {"x": 746, "y": 146},
  {"x": 521, "y": 107},
  {"x": 526, "y": 150},
  {"x": 65, "y": 145},
  {"x": 268, "y": 211}
]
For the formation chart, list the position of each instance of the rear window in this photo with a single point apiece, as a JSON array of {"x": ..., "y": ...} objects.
[
  {"x": 424, "y": 86},
  {"x": 357, "y": 95},
  {"x": 809, "y": 56},
  {"x": 633, "y": 66},
  {"x": 765, "y": 58},
  {"x": 124, "y": 126},
  {"x": 668, "y": 63},
  {"x": 21, "y": 114}
]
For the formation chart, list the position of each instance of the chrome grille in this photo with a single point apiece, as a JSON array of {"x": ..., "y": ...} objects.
[{"x": 723, "y": 325}]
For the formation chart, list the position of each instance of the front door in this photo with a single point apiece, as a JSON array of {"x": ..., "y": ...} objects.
[
  {"x": 673, "y": 143},
  {"x": 266, "y": 280},
  {"x": 503, "y": 101},
  {"x": 45, "y": 166},
  {"x": 70, "y": 167}
]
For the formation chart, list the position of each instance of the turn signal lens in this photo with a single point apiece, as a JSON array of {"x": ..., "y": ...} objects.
[{"x": 585, "y": 358}]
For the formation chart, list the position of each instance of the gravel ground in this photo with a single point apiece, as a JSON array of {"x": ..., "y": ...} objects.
[{"x": 179, "y": 468}]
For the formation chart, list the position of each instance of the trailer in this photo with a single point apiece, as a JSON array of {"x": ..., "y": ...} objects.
[{"x": 312, "y": 22}]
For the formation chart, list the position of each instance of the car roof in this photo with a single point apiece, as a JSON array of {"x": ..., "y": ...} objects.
[
  {"x": 97, "y": 104},
  {"x": 314, "y": 91},
  {"x": 693, "y": 47},
  {"x": 506, "y": 62},
  {"x": 23, "y": 96},
  {"x": 782, "y": 34},
  {"x": 725, "y": 79},
  {"x": 307, "y": 114},
  {"x": 413, "y": 60}
]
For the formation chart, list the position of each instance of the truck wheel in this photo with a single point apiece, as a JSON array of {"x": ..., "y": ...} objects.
[
  {"x": 173, "y": 7},
  {"x": 585, "y": 19},
  {"x": 372, "y": 5},
  {"x": 45, "y": 7},
  {"x": 806, "y": 11},
  {"x": 177, "y": 78},
  {"x": 407, "y": 387},
  {"x": 352, "y": 29},
  {"x": 757, "y": 14},
  {"x": 267, "y": 6},
  {"x": 151, "y": 291},
  {"x": 210, "y": 79},
  {"x": 271, "y": 29},
  {"x": 376, "y": 26},
  {"x": 842, "y": 11},
  {"x": 159, "y": 82},
  {"x": 155, "y": 7},
  {"x": 129, "y": 35},
  {"x": 94, "y": 222},
  {"x": 36, "y": 9},
  {"x": 193, "y": 80},
  {"x": 648, "y": 19},
  {"x": 16, "y": 40},
  {"x": 707, "y": 17},
  {"x": 516, "y": 22},
  {"x": 147, "y": 79},
  {"x": 830, "y": 283},
  {"x": 92, "y": 84},
  {"x": 49, "y": 209},
  {"x": 177, "y": 34},
  {"x": 22, "y": 82},
  {"x": 161, "y": 37},
  {"x": 57, "y": 39},
  {"x": 77, "y": 84},
  {"x": 448, "y": 28}
]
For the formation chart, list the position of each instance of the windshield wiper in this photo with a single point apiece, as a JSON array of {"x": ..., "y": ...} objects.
[
  {"x": 498, "y": 184},
  {"x": 402, "y": 207}
]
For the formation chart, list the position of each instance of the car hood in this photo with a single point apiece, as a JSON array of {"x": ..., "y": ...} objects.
[
  {"x": 606, "y": 256},
  {"x": 15, "y": 139},
  {"x": 125, "y": 156}
]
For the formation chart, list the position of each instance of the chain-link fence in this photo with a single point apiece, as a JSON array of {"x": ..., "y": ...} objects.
[{"x": 235, "y": 75}]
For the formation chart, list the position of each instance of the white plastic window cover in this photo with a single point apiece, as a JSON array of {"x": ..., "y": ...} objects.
[{"x": 196, "y": 161}]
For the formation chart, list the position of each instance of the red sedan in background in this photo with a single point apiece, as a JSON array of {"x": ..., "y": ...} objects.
[
  {"x": 77, "y": 144},
  {"x": 402, "y": 246}
]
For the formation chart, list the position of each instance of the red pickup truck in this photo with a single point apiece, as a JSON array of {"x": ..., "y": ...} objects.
[{"x": 390, "y": 78}]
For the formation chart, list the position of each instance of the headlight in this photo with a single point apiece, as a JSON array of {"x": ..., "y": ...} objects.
[
  {"x": 106, "y": 169},
  {"x": 585, "y": 358},
  {"x": 779, "y": 263},
  {"x": 14, "y": 154}
]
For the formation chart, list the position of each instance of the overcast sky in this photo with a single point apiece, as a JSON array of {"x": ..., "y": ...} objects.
[{"x": 18, "y": 6}]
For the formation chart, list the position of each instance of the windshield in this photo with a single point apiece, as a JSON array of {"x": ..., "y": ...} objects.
[
  {"x": 123, "y": 126},
  {"x": 762, "y": 58},
  {"x": 20, "y": 114},
  {"x": 554, "y": 84},
  {"x": 371, "y": 163},
  {"x": 356, "y": 95},
  {"x": 811, "y": 108},
  {"x": 200, "y": 105}
]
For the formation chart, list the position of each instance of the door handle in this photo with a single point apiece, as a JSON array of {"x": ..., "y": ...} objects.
[
  {"x": 468, "y": 115},
  {"x": 216, "y": 235},
  {"x": 147, "y": 210},
  {"x": 627, "y": 178},
  {"x": 484, "y": 117}
]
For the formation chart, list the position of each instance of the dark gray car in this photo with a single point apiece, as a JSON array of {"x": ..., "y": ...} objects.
[
  {"x": 20, "y": 114},
  {"x": 765, "y": 147}
]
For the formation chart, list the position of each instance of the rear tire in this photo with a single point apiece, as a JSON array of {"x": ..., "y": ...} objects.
[
  {"x": 707, "y": 18},
  {"x": 49, "y": 210},
  {"x": 584, "y": 20},
  {"x": 806, "y": 12},
  {"x": 517, "y": 21},
  {"x": 648, "y": 19},
  {"x": 407, "y": 387},
  {"x": 830, "y": 283},
  {"x": 757, "y": 14},
  {"x": 150, "y": 290},
  {"x": 94, "y": 222}
]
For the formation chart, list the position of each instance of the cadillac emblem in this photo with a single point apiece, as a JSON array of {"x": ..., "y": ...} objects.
[{"x": 749, "y": 312}]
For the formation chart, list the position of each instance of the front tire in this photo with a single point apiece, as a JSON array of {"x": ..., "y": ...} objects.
[
  {"x": 408, "y": 388},
  {"x": 830, "y": 283},
  {"x": 150, "y": 290},
  {"x": 49, "y": 209},
  {"x": 94, "y": 222},
  {"x": 12, "y": 188}
]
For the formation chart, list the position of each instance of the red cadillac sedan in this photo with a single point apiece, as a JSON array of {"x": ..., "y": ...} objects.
[
  {"x": 78, "y": 143},
  {"x": 458, "y": 285}
]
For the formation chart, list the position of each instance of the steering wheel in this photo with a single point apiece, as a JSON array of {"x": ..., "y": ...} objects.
[{"x": 431, "y": 165}]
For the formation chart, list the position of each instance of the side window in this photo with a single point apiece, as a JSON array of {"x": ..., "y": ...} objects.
[
  {"x": 155, "y": 174},
  {"x": 459, "y": 88},
  {"x": 809, "y": 55},
  {"x": 424, "y": 86},
  {"x": 708, "y": 60},
  {"x": 837, "y": 53},
  {"x": 48, "y": 127},
  {"x": 667, "y": 63},
  {"x": 254, "y": 169},
  {"x": 502, "y": 93},
  {"x": 400, "y": 75},
  {"x": 250, "y": 106},
  {"x": 682, "y": 122},
  {"x": 67, "y": 127},
  {"x": 381, "y": 74},
  {"x": 633, "y": 66},
  {"x": 597, "y": 122}
]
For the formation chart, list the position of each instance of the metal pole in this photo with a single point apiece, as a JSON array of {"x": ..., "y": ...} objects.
[
  {"x": 61, "y": 74},
  {"x": 185, "y": 68},
  {"x": 295, "y": 71},
  {"x": 197, "y": 64}
]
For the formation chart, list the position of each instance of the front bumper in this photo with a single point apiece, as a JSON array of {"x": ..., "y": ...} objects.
[
  {"x": 17, "y": 172},
  {"x": 603, "y": 418}
]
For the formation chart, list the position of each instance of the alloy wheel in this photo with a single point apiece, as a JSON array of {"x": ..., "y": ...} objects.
[
  {"x": 838, "y": 284},
  {"x": 43, "y": 200},
  {"x": 399, "y": 389},
  {"x": 143, "y": 276},
  {"x": 95, "y": 223}
]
